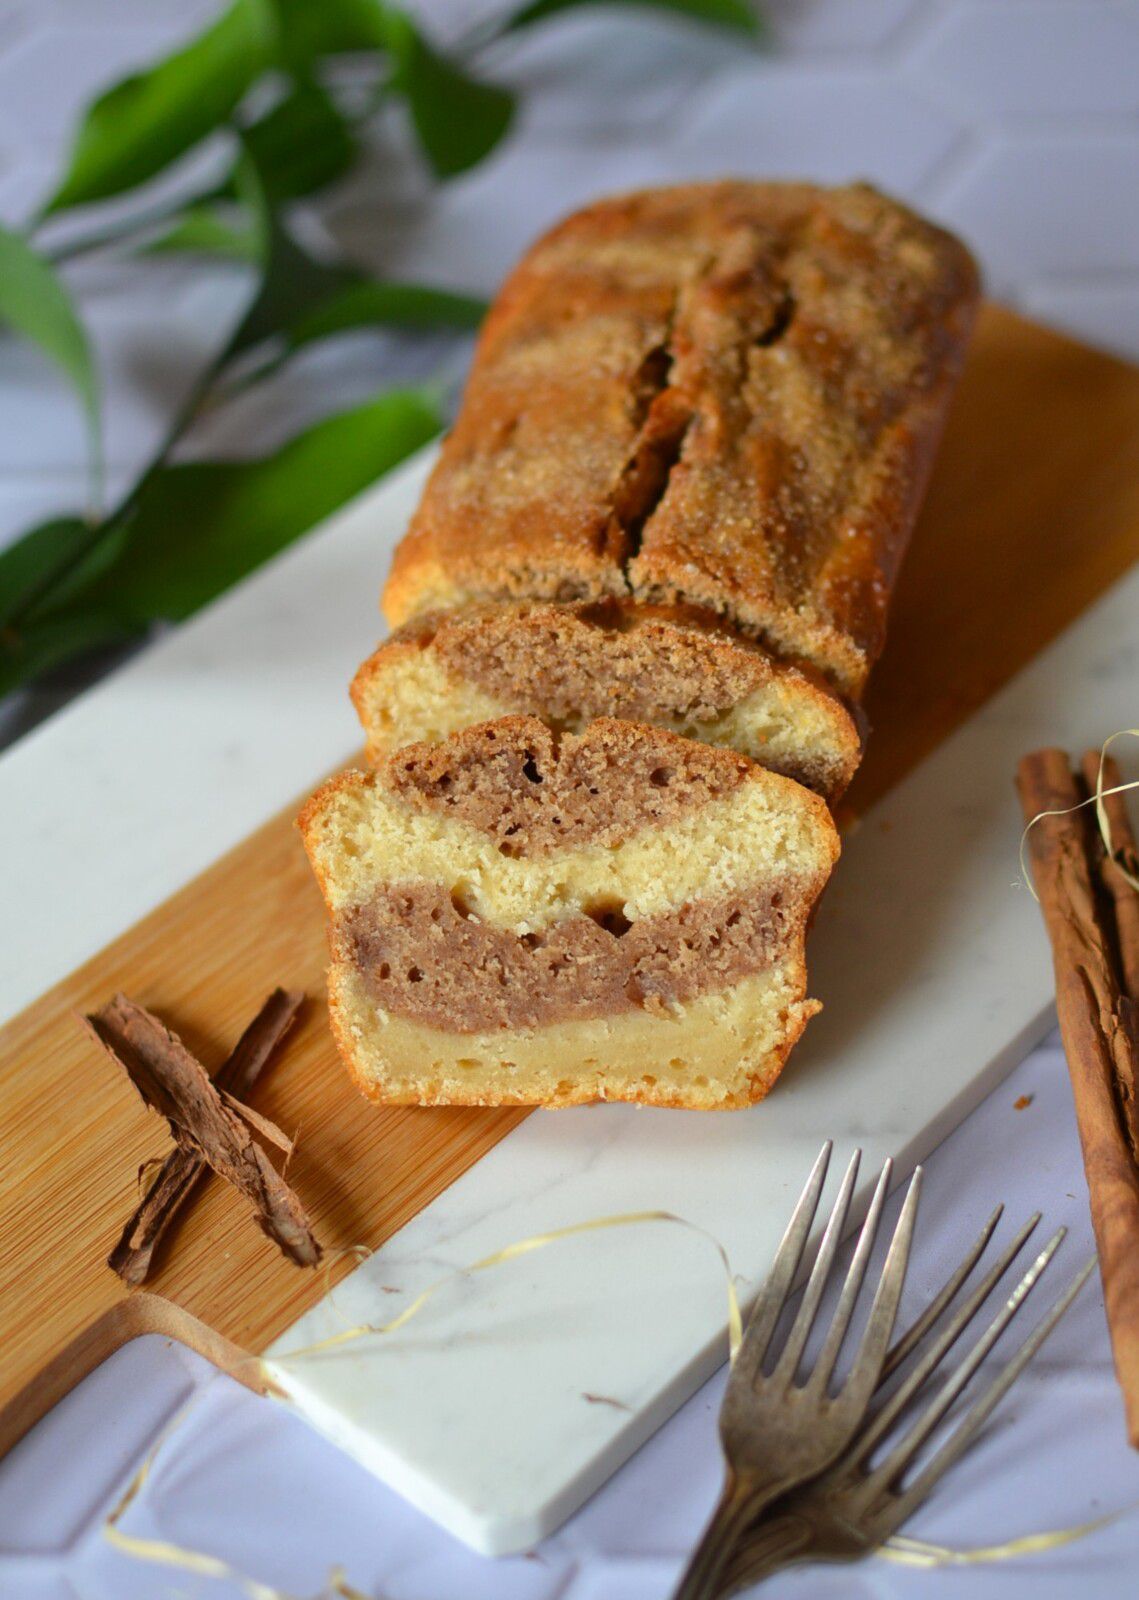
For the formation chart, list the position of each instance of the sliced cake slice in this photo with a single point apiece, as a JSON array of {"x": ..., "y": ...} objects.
[
  {"x": 519, "y": 918},
  {"x": 567, "y": 664}
]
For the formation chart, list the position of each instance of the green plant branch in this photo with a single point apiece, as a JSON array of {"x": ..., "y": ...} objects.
[
  {"x": 76, "y": 581},
  {"x": 123, "y": 231},
  {"x": 102, "y": 527}
]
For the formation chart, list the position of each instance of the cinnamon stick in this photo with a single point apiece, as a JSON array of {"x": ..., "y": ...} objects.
[
  {"x": 175, "y": 1084},
  {"x": 1124, "y": 854},
  {"x": 1099, "y": 1042},
  {"x": 183, "y": 1168}
]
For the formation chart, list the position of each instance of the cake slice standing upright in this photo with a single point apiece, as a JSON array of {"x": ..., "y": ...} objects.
[{"x": 519, "y": 919}]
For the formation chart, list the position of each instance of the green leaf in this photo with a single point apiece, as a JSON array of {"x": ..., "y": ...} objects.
[
  {"x": 32, "y": 563},
  {"x": 293, "y": 283},
  {"x": 49, "y": 643},
  {"x": 208, "y": 230},
  {"x": 314, "y": 28},
  {"x": 35, "y": 304},
  {"x": 458, "y": 119},
  {"x": 301, "y": 144},
  {"x": 386, "y": 305},
  {"x": 200, "y": 527},
  {"x": 738, "y": 15},
  {"x": 148, "y": 120}
]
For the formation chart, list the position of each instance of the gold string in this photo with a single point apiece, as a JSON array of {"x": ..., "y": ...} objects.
[
  {"x": 1102, "y": 823},
  {"x": 921, "y": 1553},
  {"x": 198, "y": 1562},
  {"x": 204, "y": 1565},
  {"x": 1101, "y": 809},
  {"x": 521, "y": 1247}
]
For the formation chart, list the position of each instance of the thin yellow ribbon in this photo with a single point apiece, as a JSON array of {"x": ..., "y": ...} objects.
[
  {"x": 521, "y": 1247},
  {"x": 1102, "y": 822},
  {"x": 921, "y": 1553},
  {"x": 203, "y": 1565},
  {"x": 166, "y": 1554}
]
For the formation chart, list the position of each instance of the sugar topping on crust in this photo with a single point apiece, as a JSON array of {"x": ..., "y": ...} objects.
[{"x": 720, "y": 393}]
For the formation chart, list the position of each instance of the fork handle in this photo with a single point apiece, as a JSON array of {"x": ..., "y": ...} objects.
[
  {"x": 778, "y": 1543},
  {"x": 739, "y": 1505}
]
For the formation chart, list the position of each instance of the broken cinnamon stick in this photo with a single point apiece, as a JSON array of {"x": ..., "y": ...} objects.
[
  {"x": 1099, "y": 1042},
  {"x": 182, "y": 1169},
  {"x": 175, "y": 1084}
]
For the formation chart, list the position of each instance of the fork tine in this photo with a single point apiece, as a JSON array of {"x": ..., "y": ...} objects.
[
  {"x": 917, "y": 1331},
  {"x": 885, "y": 1417},
  {"x": 903, "y": 1453},
  {"x": 856, "y": 1272},
  {"x": 866, "y": 1368},
  {"x": 975, "y": 1418},
  {"x": 772, "y": 1296},
  {"x": 787, "y": 1365}
]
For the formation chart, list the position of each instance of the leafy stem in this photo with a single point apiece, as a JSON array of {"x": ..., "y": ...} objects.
[{"x": 258, "y": 73}]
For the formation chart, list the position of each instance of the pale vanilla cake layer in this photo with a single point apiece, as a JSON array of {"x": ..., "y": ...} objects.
[
  {"x": 721, "y": 1052},
  {"x": 569, "y": 664},
  {"x": 546, "y": 909}
]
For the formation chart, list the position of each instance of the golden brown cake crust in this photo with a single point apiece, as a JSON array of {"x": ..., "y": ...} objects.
[
  {"x": 727, "y": 394},
  {"x": 689, "y": 985}
]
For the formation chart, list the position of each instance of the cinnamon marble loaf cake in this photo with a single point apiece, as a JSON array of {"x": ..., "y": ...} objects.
[
  {"x": 612, "y": 915},
  {"x": 635, "y": 612},
  {"x": 722, "y": 395}
]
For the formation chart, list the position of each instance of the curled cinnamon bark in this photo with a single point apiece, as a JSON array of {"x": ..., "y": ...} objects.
[
  {"x": 206, "y": 1129},
  {"x": 185, "y": 1165},
  {"x": 1097, "y": 1025}
]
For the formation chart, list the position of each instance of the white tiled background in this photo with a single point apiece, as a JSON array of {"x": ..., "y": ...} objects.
[{"x": 1017, "y": 122}]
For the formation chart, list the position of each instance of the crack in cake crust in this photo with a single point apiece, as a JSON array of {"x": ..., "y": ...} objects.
[{"x": 815, "y": 337}]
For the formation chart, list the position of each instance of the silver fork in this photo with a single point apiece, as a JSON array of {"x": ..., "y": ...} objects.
[
  {"x": 852, "y": 1508},
  {"x": 775, "y": 1432}
]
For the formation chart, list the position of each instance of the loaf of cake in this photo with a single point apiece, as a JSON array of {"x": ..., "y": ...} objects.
[
  {"x": 635, "y": 612},
  {"x": 567, "y": 664},
  {"x": 519, "y": 917},
  {"x": 723, "y": 395}
]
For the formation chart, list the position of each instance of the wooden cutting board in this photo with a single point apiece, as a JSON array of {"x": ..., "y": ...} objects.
[{"x": 1033, "y": 512}]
